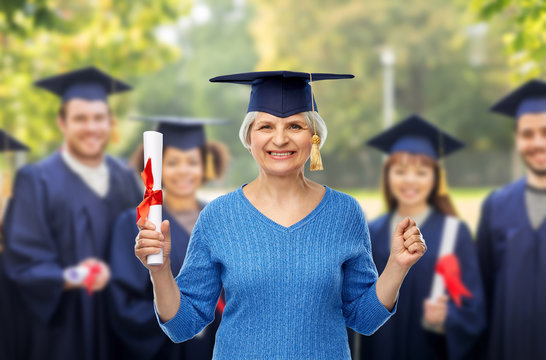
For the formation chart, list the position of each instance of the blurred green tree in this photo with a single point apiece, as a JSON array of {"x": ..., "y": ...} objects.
[
  {"x": 215, "y": 40},
  {"x": 524, "y": 36},
  {"x": 42, "y": 38},
  {"x": 436, "y": 73}
]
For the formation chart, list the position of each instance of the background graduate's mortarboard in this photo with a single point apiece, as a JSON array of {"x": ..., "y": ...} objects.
[
  {"x": 528, "y": 98},
  {"x": 88, "y": 83},
  {"x": 184, "y": 133},
  {"x": 417, "y": 136},
  {"x": 181, "y": 132},
  {"x": 280, "y": 93},
  {"x": 8, "y": 143}
]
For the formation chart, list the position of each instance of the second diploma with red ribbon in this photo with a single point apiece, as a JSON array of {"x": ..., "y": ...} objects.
[{"x": 151, "y": 205}]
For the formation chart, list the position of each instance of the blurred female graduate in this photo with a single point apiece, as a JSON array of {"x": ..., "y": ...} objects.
[
  {"x": 188, "y": 162},
  {"x": 293, "y": 256},
  {"x": 429, "y": 323}
]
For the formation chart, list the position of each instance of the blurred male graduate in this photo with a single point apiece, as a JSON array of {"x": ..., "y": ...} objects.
[
  {"x": 58, "y": 224},
  {"x": 512, "y": 238}
]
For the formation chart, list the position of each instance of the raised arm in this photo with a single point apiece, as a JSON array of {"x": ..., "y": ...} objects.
[{"x": 407, "y": 247}]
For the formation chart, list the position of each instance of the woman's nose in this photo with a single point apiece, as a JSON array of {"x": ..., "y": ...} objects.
[{"x": 280, "y": 138}]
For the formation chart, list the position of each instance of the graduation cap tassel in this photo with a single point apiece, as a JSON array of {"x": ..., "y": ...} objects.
[
  {"x": 210, "y": 173},
  {"x": 442, "y": 180},
  {"x": 442, "y": 183},
  {"x": 316, "y": 159}
]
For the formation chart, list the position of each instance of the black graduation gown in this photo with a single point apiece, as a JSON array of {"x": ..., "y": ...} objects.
[
  {"x": 132, "y": 309},
  {"x": 12, "y": 325},
  {"x": 403, "y": 336},
  {"x": 513, "y": 265},
  {"x": 55, "y": 221}
]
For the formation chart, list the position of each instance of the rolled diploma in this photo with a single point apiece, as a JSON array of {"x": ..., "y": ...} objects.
[{"x": 153, "y": 149}]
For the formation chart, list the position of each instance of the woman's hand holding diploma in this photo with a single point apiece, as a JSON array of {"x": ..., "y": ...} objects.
[{"x": 148, "y": 242}]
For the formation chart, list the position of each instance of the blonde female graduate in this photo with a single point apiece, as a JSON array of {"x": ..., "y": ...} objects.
[{"x": 293, "y": 256}]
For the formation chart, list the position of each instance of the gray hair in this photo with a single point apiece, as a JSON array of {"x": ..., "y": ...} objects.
[{"x": 322, "y": 131}]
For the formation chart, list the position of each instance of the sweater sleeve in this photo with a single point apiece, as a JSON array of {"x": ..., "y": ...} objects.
[
  {"x": 200, "y": 286},
  {"x": 362, "y": 309}
]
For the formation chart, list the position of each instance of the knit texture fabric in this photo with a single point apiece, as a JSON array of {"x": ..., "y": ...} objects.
[{"x": 290, "y": 291}]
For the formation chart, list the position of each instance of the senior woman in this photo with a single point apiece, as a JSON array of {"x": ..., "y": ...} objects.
[{"x": 293, "y": 256}]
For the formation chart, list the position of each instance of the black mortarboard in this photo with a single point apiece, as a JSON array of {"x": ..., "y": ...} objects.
[
  {"x": 8, "y": 143},
  {"x": 417, "y": 136},
  {"x": 280, "y": 93},
  {"x": 528, "y": 98},
  {"x": 88, "y": 83},
  {"x": 181, "y": 132}
]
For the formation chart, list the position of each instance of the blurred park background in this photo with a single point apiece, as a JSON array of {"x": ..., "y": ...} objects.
[{"x": 446, "y": 60}]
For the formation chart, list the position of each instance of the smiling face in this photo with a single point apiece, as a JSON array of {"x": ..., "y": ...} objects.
[
  {"x": 280, "y": 146},
  {"x": 531, "y": 142},
  {"x": 410, "y": 178},
  {"x": 86, "y": 126},
  {"x": 182, "y": 171}
]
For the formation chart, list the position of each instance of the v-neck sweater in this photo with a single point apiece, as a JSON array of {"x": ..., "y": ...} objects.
[{"x": 290, "y": 291}]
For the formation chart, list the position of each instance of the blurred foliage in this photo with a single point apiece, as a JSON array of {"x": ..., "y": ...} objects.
[
  {"x": 525, "y": 38},
  {"x": 437, "y": 73},
  {"x": 448, "y": 69},
  {"x": 215, "y": 41},
  {"x": 44, "y": 38}
]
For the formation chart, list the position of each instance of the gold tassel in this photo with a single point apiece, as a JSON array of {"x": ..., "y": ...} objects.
[
  {"x": 442, "y": 183},
  {"x": 316, "y": 160},
  {"x": 210, "y": 174}
]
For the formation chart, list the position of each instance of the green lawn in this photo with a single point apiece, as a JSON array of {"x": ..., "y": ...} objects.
[{"x": 467, "y": 202}]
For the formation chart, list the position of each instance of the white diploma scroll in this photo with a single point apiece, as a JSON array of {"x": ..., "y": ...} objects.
[
  {"x": 153, "y": 149},
  {"x": 447, "y": 246}
]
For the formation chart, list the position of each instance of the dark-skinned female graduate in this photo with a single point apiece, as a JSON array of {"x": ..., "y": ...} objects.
[
  {"x": 189, "y": 161},
  {"x": 441, "y": 307}
]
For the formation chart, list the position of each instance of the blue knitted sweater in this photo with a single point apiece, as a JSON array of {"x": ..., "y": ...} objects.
[{"x": 290, "y": 291}]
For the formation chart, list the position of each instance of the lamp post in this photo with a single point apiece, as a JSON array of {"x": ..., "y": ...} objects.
[{"x": 388, "y": 59}]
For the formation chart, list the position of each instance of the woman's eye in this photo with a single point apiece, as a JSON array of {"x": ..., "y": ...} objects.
[{"x": 295, "y": 127}]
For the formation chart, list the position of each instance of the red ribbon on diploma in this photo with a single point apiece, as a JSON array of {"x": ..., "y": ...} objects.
[
  {"x": 221, "y": 305},
  {"x": 448, "y": 267},
  {"x": 94, "y": 271},
  {"x": 151, "y": 197}
]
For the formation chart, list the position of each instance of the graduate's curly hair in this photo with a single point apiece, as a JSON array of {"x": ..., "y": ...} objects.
[
  {"x": 441, "y": 203},
  {"x": 219, "y": 151}
]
